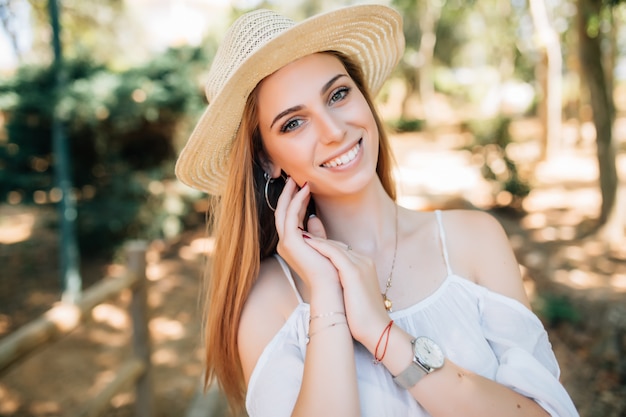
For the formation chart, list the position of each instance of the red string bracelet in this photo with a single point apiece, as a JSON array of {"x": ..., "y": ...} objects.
[{"x": 384, "y": 334}]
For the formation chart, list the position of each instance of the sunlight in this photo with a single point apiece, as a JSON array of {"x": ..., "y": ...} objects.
[
  {"x": 438, "y": 173},
  {"x": 16, "y": 228},
  {"x": 594, "y": 248},
  {"x": 414, "y": 202},
  {"x": 65, "y": 316},
  {"x": 618, "y": 282},
  {"x": 165, "y": 329},
  {"x": 577, "y": 278},
  {"x": 186, "y": 253},
  {"x": 153, "y": 254},
  {"x": 122, "y": 399},
  {"x": 534, "y": 221},
  {"x": 567, "y": 167},
  {"x": 111, "y": 315},
  {"x": 575, "y": 253},
  {"x": 44, "y": 408},
  {"x": 199, "y": 246},
  {"x": 102, "y": 379},
  {"x": 547, "y": 234},
  {"x": 585, "y": 200},
  {"x": 572, "y": 218},
  {"x": 566, "y": 232},
  {"x": 204, "y": 245},
  {"x": 539, "y": 223},
  {"x": 9, "y": 401},
  {"x": 155, "y": 272},
  {"x": 165, "y": 356}
]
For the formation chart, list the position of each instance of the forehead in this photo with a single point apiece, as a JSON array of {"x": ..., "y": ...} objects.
[{"x": 307, "y": 73}]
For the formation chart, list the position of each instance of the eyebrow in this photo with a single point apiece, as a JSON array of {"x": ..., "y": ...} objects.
[
  {"x": 293, "y": 109},
  {"x": 330, "y": 83}
]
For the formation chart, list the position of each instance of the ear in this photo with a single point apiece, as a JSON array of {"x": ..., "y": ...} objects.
[{"x": 268, "y": 166}]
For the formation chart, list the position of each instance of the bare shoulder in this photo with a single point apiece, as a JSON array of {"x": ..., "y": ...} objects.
[
  {"x": 479, "y": 246},
  {"x": 267, "y": 307}
]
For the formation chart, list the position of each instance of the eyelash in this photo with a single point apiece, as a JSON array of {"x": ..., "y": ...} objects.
[
  {"x": 341, "y": 91},
  {"x": 286, "y": 127}
]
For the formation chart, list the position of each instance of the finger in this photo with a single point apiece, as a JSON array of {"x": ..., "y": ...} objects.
[
  {"x": 296, "y": 209},
  {"x": 336, "y": 252},
  {"x": 316, "y": 227},
  {"x": 283, "y": 202}
]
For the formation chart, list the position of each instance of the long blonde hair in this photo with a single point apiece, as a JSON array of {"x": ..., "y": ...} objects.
[{"x": 245, "y": 234}]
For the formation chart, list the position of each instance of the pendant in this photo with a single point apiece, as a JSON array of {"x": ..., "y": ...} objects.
[{"x": 387, "y": 302}]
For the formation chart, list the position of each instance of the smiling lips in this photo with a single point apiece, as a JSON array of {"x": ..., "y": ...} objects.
[{"x": 345, "y": 158}]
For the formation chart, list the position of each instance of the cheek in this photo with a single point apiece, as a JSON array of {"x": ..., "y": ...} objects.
[{"x": 287, "y": 154}]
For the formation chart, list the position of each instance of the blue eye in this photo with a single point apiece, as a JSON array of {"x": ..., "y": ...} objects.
[
  {"x": 290, "y": 125},
  {"x": 339, "y": 94}
]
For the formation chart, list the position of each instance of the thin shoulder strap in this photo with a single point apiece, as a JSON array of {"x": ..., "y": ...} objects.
[
  {"x": 442, "y": 237},
  {"x": 287, "y": 272}
]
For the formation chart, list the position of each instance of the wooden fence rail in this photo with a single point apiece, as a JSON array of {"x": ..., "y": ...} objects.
[{"x": 63, "y": 318}]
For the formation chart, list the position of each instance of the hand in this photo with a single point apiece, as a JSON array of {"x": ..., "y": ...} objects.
[
  {"x": 365, "y": 311},
  {"x": 314, "y": 269}
]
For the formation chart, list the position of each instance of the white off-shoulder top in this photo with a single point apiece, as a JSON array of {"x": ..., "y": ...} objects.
[{"x": 478, "y": 329}]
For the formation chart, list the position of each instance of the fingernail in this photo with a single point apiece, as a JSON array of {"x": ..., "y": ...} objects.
[
  {"x": 312, "y": 215},
  {"x": 306, "y": 236}
]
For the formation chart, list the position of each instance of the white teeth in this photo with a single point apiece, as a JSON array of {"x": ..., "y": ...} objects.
[{"x": 345, "y": 158}]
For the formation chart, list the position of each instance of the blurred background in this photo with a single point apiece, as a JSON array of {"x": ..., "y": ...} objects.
[{"x": 509, "y": 106}]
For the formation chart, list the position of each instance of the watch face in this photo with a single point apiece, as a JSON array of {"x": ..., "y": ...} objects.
[{"x": 428, "y": 352}]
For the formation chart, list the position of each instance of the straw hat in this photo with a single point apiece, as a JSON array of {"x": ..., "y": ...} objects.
[{"x": 258, "y": 44}]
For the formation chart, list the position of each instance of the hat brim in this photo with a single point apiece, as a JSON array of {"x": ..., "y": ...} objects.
[{"x": 371, "y": 34}]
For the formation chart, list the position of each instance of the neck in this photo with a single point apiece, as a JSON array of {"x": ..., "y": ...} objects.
[{"x": 365, "y": 220}]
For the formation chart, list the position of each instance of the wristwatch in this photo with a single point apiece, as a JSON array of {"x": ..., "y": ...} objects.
[{"x": 427, "y": 357}]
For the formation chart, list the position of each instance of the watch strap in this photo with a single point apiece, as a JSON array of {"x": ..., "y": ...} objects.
[{"x": 410, "y": 376}]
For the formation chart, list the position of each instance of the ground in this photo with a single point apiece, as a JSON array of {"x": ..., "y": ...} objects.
[{"x": 58, "y": 378}]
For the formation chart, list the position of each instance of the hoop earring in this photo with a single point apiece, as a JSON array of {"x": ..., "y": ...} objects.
[{"x": 268, "y": 181}]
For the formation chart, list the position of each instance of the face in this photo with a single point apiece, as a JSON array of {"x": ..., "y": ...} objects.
[{"x": 317, "y": 126}]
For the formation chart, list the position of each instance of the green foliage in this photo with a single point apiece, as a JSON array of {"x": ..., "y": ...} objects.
[
  {"x": 491, "y": 140},
  {"x": 406, "y": 125},
  {"x": 556, "y": 309},
  {"x": 121, "y": 128},
  {"x": 140, "y": 204}
]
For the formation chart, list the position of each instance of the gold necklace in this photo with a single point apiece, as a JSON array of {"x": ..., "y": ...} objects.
[{"x": 386, "y": 300}]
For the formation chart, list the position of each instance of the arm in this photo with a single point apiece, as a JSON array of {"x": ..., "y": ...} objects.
[
  {"x": 280, "y": 385},
  {"x": 329, "y": 386},
  {"x": 452, "y": 389}
]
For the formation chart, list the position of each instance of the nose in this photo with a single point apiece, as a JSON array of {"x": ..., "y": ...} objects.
[{"x": 331, "y": 129}]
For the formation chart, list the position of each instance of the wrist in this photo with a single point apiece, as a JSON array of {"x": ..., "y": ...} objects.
[
  {"x": 324, "y": 300},
  {"x": 370, "y": 335},
  {"x": 399, "y": 353},
  {"x": 427, "y": 358}
]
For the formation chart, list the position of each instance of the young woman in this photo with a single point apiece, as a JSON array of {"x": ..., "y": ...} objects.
[{"x": 325, "y": 297}]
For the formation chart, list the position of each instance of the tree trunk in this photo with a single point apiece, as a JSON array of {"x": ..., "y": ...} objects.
[
  {"x": 601, "y": 104},
  {"x": 69, "y": 251},
  {"x": 553, "y": 91},
  {"x": 428, "y": 17}
]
